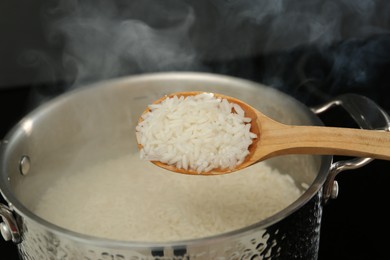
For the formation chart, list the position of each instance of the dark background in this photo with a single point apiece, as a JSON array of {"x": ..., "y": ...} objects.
[{"x": 311, "y": 50}]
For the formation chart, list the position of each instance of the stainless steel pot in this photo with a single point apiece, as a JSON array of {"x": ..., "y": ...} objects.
[{"x": 70, "y": 130}]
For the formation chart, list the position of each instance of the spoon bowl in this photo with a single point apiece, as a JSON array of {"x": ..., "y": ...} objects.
[{"x": 276, "y": 139}]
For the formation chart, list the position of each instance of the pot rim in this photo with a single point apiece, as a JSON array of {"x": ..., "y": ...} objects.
[{"x": 25, "y": 213}]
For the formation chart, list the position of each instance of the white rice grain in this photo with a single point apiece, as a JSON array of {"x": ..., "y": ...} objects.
[
  {"x": 129, "y": 199},
  {"x": 210, "y": 131}
]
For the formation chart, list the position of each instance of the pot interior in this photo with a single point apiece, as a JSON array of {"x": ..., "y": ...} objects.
[{"x": 97, "y": 123}]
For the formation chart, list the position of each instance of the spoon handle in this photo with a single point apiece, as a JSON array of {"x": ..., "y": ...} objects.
[{"x": 286, "y": 139}]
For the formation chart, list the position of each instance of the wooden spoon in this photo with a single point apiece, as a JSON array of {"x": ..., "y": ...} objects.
[{"x": 275, "y": 139}]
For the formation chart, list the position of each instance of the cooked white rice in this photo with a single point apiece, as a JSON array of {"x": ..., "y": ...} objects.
[
  {"x": 131, "y": 199},
  {"x": 199, "y": 133}
]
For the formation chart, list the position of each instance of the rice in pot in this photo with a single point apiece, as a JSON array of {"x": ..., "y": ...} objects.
[{"x": 131, "y": 199}]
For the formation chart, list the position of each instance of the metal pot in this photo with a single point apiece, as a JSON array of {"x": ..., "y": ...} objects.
[{"x": 69, "y": 129}]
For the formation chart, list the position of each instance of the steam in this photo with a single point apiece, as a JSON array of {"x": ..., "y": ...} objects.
[
  {"x": 281, "y": 25},
  {"x": 104, "y": 39}
]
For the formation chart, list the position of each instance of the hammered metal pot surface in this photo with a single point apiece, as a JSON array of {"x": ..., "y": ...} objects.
[{"x": 294, "y": 237}]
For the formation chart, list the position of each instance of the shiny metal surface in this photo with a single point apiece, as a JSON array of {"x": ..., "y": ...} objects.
[
  {"x": 67, "y": 132},
  {"x": 5, "y": 231},
  {"x": 9, "y": 227},
  {"x": 24, "y": 165},
  {"x": 367, "y": 115}
]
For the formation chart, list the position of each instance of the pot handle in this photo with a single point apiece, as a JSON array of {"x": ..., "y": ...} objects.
[
  {"x": 8, "y": 227},
  {"x": 368, "y": 115}
]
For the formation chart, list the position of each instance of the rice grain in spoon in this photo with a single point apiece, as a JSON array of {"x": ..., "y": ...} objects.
[
  {"x": 266, "y": 138},
  {"x": 195, "y": 132}
]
